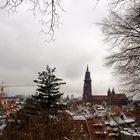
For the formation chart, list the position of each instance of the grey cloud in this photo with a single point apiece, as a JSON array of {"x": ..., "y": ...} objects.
[{"x": 78, "y": 42}]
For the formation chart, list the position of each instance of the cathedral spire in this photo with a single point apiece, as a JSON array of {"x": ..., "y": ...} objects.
[
  {"x": 87, "y": 74},
  {"x": 87, "y": 69},
  {"x": 108, "y": 92},
  {"x": 87, "y": 90},
  {"x": 113, "y": 91}
]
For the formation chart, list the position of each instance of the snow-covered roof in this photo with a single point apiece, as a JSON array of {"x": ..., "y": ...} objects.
[
  {"x": 119, "y": 120},
  {"x": 69, "y": 112},
  {"x": 79, "y": 117},
  {"x": 129, "y": 120},
  {"x": 131, "y": 132},
  {"x": 113, "y": 123},
  {"x": 101, "y": 132},
  {"x": 107, "y": 122},
  {"x": 126, "y": 133},
  {"x": 97, "y": 124},
  {"x": 99, "y": 107},
  {"x": 89, "y": 116},
  {"x": 113, "y": 134},
  {"x": 101, "y": 114}
]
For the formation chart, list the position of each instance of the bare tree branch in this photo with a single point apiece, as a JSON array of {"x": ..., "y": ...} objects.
[
  {"x": 122, "y": 32},
  {"x": 49, "y": 10}
]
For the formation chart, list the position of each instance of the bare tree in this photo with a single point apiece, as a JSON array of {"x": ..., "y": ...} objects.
[
  {"x": 49, "y": 10},
  {"x": 122, "y": 3},
  {"x": 122, "y": 31}
]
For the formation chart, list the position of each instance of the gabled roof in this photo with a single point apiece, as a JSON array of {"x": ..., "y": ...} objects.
[
  {"x": 118, "y": 96},
  {"x": 99, "y": 97}
]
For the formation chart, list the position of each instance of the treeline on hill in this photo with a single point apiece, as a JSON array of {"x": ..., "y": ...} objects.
[{"x": 42, "y": 117}]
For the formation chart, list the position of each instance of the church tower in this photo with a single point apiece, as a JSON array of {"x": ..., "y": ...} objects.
[{"x": 87, "y": 90}]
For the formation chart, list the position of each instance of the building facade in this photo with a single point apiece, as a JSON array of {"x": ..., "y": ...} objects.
[
  {"x": 87, "y": 89},
  {"x": 110, "y": 98}
]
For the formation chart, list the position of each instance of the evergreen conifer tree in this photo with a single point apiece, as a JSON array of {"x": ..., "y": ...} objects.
[
  {"x": 48, "y": 88},
  {"x": 38, "y": 118}
]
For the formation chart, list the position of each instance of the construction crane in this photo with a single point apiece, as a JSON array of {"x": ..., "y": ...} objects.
[
  {"x": 3, "y": 102},
  {"x": 2, "y": 87}
]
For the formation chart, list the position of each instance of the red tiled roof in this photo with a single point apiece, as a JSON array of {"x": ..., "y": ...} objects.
[
  {"x": 105, "y": 97},
  {"x": 118, "y": 96},
  {"x": 99, "y": 97}
]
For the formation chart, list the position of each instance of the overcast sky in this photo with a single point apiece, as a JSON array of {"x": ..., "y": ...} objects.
[{"x": 79, "y": 41}]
